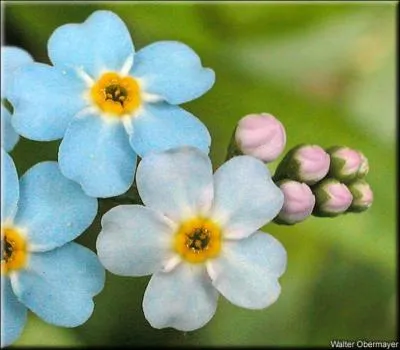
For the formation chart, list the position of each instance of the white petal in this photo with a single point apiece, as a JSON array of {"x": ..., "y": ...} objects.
[
  {"x": 245, "y": 197},
  {"x": 247, "y": 271},
  {"x": 134, "y": 241},
  {"x": 183, "y": 298},
  {"x": 177, "y": 183}
]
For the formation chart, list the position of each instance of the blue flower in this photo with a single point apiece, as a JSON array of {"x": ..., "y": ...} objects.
[
  {"x": 41, "y": 269},
  {"x": 108, "y": 103},
  {"x": 197, "y": 236},
  {"x": 11, "y": 59}
]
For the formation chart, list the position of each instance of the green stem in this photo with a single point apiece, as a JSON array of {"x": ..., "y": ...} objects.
[{"x": 233, "y": 149}]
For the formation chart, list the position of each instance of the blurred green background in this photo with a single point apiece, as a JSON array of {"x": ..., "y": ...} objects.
[{"x": 327, "y": 71}]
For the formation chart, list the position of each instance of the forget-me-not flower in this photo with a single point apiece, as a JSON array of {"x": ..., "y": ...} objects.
[
  {"x": 11, "y": 59},
  {"x": 197, "y": 236},
  {"x": 41, "y": 269},
  {"x": 108, "y": 103}
]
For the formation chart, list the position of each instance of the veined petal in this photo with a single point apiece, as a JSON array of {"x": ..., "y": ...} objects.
[
  {"x": 59, "y": 285},
  {"x": 11, "y": 59},
  {"x": 183, "y": 298},
  {"x": 45, "y": 99},
  {"x": 97, "y": 155},
  {"x": 52, "y": 209},
  {"x": 100, "y": 43},
  {"x": 13, "y": 314},
  {"x": 172, "y": 70},
  {"x": 9, "y": 187},
  {"x": 9, "y": 137},
  {"x": 161, "y": 127},
  {"x": 177, "y": 183},
  {"x": 245, "y": 196},
  {"x": 134, "y": 240},
  {"x": 247, "y": 272}
]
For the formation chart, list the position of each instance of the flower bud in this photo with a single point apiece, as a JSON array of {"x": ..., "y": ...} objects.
[
  {"x": 346, "y": 163},
  {"x": 305, "y": 163},
  {"x": 362, "y": 196},
  {"x": 364, "y": 167},
  {"x": 298, "y": 202},
  {"x": 261, "y": 136},
  {"x": 332, "y": 198}
]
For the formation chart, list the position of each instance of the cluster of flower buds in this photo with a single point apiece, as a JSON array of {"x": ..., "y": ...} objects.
[
  {"x": 303, "y": 167},
  {"x": 348, "y": 169},
  {"x": 322, "y": 183},
  {"x": 314, "y": 181}
]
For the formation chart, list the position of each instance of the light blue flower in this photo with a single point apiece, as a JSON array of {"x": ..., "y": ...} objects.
[
  {"x": 41, "y": 269},
  {"x": 198, "y": 237},
  {"x": 11, "y": 59},
  {"x": 108, "y": 103}
]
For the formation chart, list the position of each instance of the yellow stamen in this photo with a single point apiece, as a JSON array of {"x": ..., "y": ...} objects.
[
  {"x": 13, "y": 250},
  {"x": 116, "y": 95},
  {"x": 198, "y": 240}
]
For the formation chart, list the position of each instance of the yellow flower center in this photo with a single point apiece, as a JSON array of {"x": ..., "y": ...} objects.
[
  {"x": 13, "y": 250},
  {"x": 116, "y": 95},
  {"x": 198, "y": 240}
]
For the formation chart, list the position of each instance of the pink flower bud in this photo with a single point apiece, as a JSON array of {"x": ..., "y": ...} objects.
[
  {"x": 313, "y": 163},
  {"x": 364, "y": 167},
  {"x": 362, "y": 195},
  {"x": 347, "y": 164},
  {"x": 298, "y": 203},
  {"x": 332, "y": 198},
  {"x": 261, "y": 136}
]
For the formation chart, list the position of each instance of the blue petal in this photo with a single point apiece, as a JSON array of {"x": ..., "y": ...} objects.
[
  {"x": 96, "y": 154},
  {"x": 183, "y": 298},
  {"x": 161, "y": 127},
  {"x": 172, "y": 70},
  {"x": 9, "y": 137},
  {"x": 59, "y": 285},
  {"x": 101, "y": 43},
  {"x": 177, "y": 183},
  {"x": 52, "y": 209},
  {"x": 44, "y": 100},
  {"x": 247, "y": 271},
  {"x": 11, "y": 59},
  {"x": 257, "y": 200},
  {"x": 9, "y": 187},
  {"x": 13, "y": 314},
  {"x": 134, "y": 240}
]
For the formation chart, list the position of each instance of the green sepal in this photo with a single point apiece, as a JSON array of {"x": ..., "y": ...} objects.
[
  {"x": 336, "y": 166},
  {"x": 321, "y": 197},
  {"x": 357, "y": 194},
  {"x": 289, "y": 167}
]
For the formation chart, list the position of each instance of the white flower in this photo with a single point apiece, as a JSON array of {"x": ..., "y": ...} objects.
[{"x": 197, "y": 236}]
